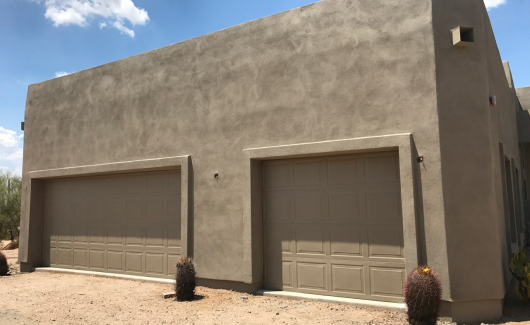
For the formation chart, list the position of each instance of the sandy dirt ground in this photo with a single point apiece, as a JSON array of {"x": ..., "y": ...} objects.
[{"x": 49, "y": 298}]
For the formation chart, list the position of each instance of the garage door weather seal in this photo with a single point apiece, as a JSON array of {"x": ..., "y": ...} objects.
[
  {"x": 348, "y": 301},
  {"x": 104, "y": 275}
]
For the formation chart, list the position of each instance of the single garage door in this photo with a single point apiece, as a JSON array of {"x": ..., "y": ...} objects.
[
  {"x": 333, "y": 226},
  {"x": 126, "y": 223}
]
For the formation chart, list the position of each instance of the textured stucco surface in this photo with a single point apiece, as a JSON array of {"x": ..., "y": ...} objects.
[
  {"x": 526, "y": 153},
  {"x": 332, "y": 70},
  {"x": 523, "y": 116},
  {"x": 470, "y": 133},
  {"x": 337, "y": 69},
  {"x": 524, "y": 97}
]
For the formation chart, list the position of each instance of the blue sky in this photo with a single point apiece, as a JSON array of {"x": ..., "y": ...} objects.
[{"x": 41, "y": 39}]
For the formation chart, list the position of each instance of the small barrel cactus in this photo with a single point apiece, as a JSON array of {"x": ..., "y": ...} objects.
[
  {"x": 185, "y": 280},
  {"x": 423, "y": 295},
  {"x": 4, "y": 268}
]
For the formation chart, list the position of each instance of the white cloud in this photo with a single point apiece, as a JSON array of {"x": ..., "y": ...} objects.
[
  {"x": 11, "y": 151},
  {"x": 18, "y": 170},
  {"x": 494, "y": 3},
  {"x": 80, "y": 12},
  {"x": 8, "y": 138},
  {"x": 14, "y": 156},
  {"x": 124, "y": 30},
  {"x": 59, "y": 74}
]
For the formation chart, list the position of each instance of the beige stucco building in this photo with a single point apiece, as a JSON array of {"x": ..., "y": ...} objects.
[{"x": 327, "y": 150}]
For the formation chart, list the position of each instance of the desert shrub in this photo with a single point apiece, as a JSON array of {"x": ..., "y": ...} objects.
[
  {"x": 423, "y": 295},
  {"x": 4, "y": 268},
  {"x": 10, "y": 195},
  {"x": 185, "y": 280},
  {"x": 520, "y": 269}
]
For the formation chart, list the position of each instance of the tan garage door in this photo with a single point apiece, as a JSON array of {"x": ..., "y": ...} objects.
[
  {"x": 333, "y": 226},
  {"x": 127, "y": 223}
]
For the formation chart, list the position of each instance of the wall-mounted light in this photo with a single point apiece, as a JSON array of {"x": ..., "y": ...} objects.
[
  {"x": 216, "y": 176},
  {"x": 420, "y": 159},
  {"x": 22, "y": 126},
  {"x": 493, "y": 100}
]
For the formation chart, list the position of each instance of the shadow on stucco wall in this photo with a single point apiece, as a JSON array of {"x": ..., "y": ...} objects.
[{"x": 418, "y": 192}]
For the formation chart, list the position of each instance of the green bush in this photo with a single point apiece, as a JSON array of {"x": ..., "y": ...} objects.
[
  {"x": 520, "y": 269},
  {"x": 10, "y": 194},
  {"x": 185, "y": 280},
  {"x": 4, "y": 268},
  {"x": 423, "y": 296}
]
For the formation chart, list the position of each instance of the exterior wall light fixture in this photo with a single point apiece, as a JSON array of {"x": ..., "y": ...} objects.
[{"x": 493, "y": 100}]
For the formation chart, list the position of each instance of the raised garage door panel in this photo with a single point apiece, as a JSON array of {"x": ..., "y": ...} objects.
[
  {"x": 126, "y": 223},
  {"x": 333, "y": 226}
]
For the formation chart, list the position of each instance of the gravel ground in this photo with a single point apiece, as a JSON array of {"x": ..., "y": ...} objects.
[{"x": 50, "y": 298}]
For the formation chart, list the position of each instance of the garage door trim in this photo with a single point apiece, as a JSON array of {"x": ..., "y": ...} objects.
[
  {"x": 252, "y": 196},
  {"x": 33, "y": 187}
]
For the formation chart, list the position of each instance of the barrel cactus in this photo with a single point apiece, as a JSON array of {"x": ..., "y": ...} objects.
[
  {"x": 185, "y": 280},
  {"x": 4, "y": 268},
  {"x": 423, "y": 295}
]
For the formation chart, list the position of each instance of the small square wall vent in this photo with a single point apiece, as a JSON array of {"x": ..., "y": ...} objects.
[{"x": 463, "y": 36}]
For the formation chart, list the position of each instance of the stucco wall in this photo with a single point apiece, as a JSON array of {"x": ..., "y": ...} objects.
[
  {"x": 523, "y": 121},
  {"x": 332, "y": 70},
  {"x": 524, "y": 97},
  {"x": 523, "y": 116},
  {"x": 503, "y": 129},
  {"x": 526, "y": 153},
  {"x": 470, "y": 133}
]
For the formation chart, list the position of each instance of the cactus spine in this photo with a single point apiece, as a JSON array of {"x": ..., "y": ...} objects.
[
  {"x": 185, "y": 280},
  {"x": 423, "y": 295}
]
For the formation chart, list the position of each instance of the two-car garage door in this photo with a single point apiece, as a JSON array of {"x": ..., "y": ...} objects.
[
  {"x": 126, "y": 223},
  {"x": 333, "y": 226}
]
